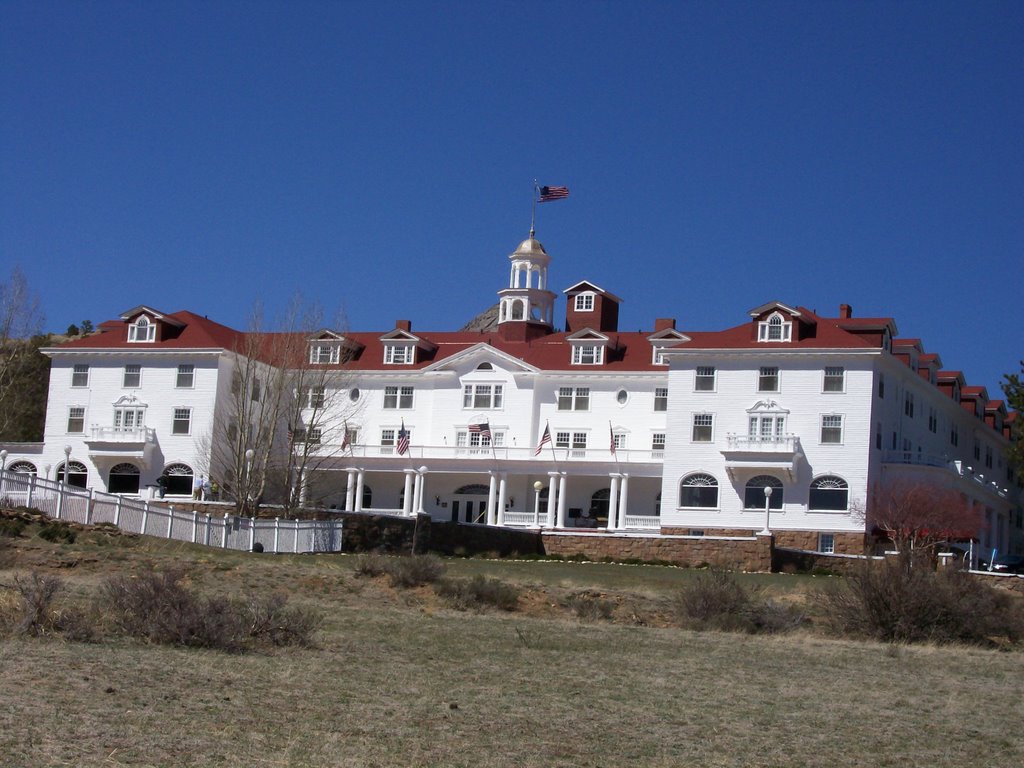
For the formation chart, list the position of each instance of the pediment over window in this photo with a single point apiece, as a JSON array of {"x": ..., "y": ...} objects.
[
  {"x": 479, "y": 355},
  {"x": 129, "y": 400},
  {"x": 589, "y": 347},
  {"x": 402, "y": 347},
  {"x": 662, "y": 340},
  {"x": 327, "y": 347},
  {"x": 767, "y": 406}
]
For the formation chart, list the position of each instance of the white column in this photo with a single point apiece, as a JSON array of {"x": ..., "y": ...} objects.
[
  {"x": 422, "y": 476},
  {"x": 561, "y": 500},
  {"x": 350, "y": 490},
  {"x": 407, "y": 496},
  {"x": 613, "y": 503},
  {"x": 552, "y": 492},
  {"x": 302, "y": 488},
  {"x": 492, "y": 492},
  {"x": 359, "y": 490},
  {"x": 623, "y": 498},
  {"x": 502, "y": 497}
]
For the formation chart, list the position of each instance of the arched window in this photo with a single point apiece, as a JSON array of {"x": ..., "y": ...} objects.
[
  {"x": 830, "y": 493},
  {"x": 142, "y": 330},
  {"x": 517, "y": 311},
  {"x": 753, "y": 498},
  {"x": 77, "y": 474},
  {"x": 23, "y": 468},
  {"x": 699, "y": 490},
  {"x": 178, "y": 480},
  {"x": 476, "y": 489},
  {"x": 123, "y": 478}
]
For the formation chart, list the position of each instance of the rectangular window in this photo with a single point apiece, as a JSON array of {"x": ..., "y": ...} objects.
[
  {"x": 908, "y": 404},
  {"x": 933, "y": 421},
  {"x": 827, "y": 542},
  {"x": 881, "y": 386},
  {"x": 310, "y": 436},
  {"x": 768, "y": 380},
  {"x": 587, "y": 354},
  {"x": 398, "y": 354},
  {"x": 324, "y": 354},
  {"x": 80, "y": 375},
  {"x": 832, "y": 429},
  {"x": 317, "y": 398},
  {"x": 703, "y": 427},
  {"x": 76, "y": 420},
  {"x": 658, "y": 444},
  {"x": 132, "y": 376},
  {"x": 186, "y": 377},
  {"x": 704, "y": 381},
  {"x": 988, "y": 456},
  {"x": 954, "y": 435},
  {"x": 398, "y": 397},
  {"x": 585, "y": 302},
  {"x": 256, "y": 391},
  {"x": 562, "y": 439},
  {"x": 129, "y": 418},
  {"x": 661, "y": 398},
  {"x": 835, "y": 379},
  {"x": 878, "y": 436},
  {"x": 387, "y": 440},
  {"x": 574, "y": 399},
  {"x": 977, "y": 450},
  {"x": 483, "y": 396},
  {"x": 182, "y": 423},
  {"x": 618, "y": 440}
]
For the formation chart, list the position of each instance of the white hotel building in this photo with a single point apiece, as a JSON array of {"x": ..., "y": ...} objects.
[{"x": 820, "y": 409}]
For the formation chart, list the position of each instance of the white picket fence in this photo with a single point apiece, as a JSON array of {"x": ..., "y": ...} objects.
[{"x": 64, "y": 502}]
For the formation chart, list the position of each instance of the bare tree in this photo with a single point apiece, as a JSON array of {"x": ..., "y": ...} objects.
[
  {"x": 22, "y": 367},
  {"x": 918, "y": 516},
  {"x": 284, "y": 415}
]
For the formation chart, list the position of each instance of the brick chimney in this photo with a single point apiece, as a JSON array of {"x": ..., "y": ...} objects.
[
  {"x": 664, "y": 324},
  {"x": 404, "y": 325},
  {"x": 845, "y": 311}
]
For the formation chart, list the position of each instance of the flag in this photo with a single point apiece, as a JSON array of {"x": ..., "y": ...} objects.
[
  {"x": 553, "y": 193},
  {"x": 484, "y": 430},
  {"x": 291, "y": 436},
  {"x": 403, "y": 439},
  {"x": 344, "y": 439},
  {"x": 545, "y": 439},
  {"x": 611, "y": 445}
]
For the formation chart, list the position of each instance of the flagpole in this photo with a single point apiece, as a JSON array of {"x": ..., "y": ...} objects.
[
  {"x": 615, "y": 453},
  {"x": 551, "y": 443},
  {"x": 533, "y": 210}
]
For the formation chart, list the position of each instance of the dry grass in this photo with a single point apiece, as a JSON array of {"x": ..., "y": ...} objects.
[{"x": 397, "y": 679}]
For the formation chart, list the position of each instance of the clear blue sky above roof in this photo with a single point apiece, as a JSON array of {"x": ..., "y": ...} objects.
[{"x": 378, "y": 158}]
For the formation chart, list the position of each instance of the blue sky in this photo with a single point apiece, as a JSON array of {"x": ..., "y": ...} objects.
[{"x": 378, "y": 159}]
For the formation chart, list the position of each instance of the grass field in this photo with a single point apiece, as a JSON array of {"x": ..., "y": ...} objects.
[{"x": 398, "y": 679}]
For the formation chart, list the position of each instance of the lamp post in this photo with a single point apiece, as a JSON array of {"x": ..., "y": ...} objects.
[
  {"x": 249, "y": 454},
  {"x": 67, "y": 461},
  {"x": 537, "y": 486},
  {"x": 767, "y": 511},
  {"x": 3, "y": 459}
]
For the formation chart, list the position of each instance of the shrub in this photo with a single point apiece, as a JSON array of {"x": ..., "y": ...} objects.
[
  {"x": 271, "y": 620},
  {"x": 589, "y": 606},
  {"x": 371, "y": 565},
  {"x": 11, "y": 528},
  {"x": 57, "y": 533},
  {"x": 158, "y": 608},
  {"x": 893, "y": 603},
  {"x": 415, "y": 570},
  {"x": 478, "y": 592},
  {"x": 36, "y": 594},
  {"x": 715, "y": 600}
]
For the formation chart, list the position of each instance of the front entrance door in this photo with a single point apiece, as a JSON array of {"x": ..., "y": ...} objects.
[{"x": 469, "y": 504}]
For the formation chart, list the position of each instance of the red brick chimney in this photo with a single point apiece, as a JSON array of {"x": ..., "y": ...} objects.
[
  {"x": 845, "y": 311},
  {"x": 404, "y": 325},
  {"x": 664, "y": 324}
]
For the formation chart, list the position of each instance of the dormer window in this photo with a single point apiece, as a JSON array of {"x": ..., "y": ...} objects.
[
  {"x": 587, "y": 354},
  {"x": 775, "y": 328},
  {"x": 399, "y": 354},
  {"x": 585, "y": 302},
  {"x": 142, "y": 330},
  {"x": 321, "y": 353}
]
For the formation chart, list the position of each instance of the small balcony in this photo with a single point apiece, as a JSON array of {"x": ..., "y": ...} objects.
[
  {"x": 944, "y": 462},
  {"x": 121, "y": 442},
  {"x": 762, "y": 453}
]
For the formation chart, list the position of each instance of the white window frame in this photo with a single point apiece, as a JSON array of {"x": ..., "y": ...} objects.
[
  {"x": 831, "y": 375},
  {"x": 179, "y": 416},
  {"x": 578, "y": 398},
  {"x": 324, "y": 353},
  {"x": 660, "y": 399},
  {"x": 701, "y": 376},
  {"x": 764, "y": 374},
  {"x": 76, "y": 413},
  {"x": 775, "y": 329},
  {"x": 129, "y": 418},
  {"x": 483, "y": 397},
  {"x": 186, "y": 372},
  {"x": 827, "y": 543},
  {"x": 399, "y": 398},
  {"x": 658, "y": 354},
  {"x": 142, "y": 331},
  {"x": 388, "y": 440},
  {"x": 590, "y": 353},
  {"x": 80, "y": 375},
  {"x": 134, "y": 370},
  {"x": 705, "y": 422},
  {"x": 584, "y": 302},
  {"x": 658, "y": 445},
  {"x": 399, "y": 353},
  {"x": 576, "y": 442},
  {"x": 828, "y": 423}
]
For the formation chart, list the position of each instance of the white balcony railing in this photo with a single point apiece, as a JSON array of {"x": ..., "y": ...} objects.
[
  {"x": 944, "y": 462},
  {"x": 621, "y": 456},
  {"x": 120, "y": 435},
  {"x": 763, "y": 443},
  {"x": 644, "y": 522}
]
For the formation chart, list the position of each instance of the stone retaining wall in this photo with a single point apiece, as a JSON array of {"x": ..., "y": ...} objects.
[
  {"x": 460, "y": 539},
  {"x": 845, "y": 543},
  {"x": 748, "y": 553}
]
